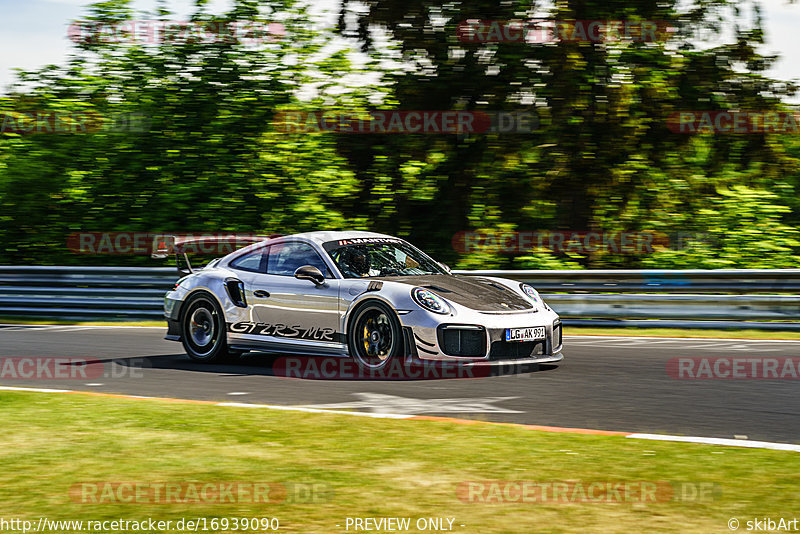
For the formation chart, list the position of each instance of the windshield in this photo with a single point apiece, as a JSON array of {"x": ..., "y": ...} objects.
[{"x": 359, "y": 258}]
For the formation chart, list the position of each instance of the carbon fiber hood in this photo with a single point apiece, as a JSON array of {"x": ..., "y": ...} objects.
[{"x": 479, "y": 294}]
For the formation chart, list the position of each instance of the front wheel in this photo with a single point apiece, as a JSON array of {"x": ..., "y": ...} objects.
[
  {"x": 374, "y": 336},
  {"x": 203, "y": 326}
]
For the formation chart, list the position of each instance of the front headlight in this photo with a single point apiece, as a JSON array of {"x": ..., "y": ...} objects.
[
  {"x": 534, "y": 295},
  {"x": 429, "y": 300}
]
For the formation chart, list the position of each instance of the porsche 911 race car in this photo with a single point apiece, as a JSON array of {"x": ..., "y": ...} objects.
[{"x": 369, "y": 296}]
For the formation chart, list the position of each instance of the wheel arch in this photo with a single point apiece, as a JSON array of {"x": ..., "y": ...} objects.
[
  {"x": 192, "y": 294},
  {"x": 406, "y": 345},
  {"x": 359, "y": 303}
]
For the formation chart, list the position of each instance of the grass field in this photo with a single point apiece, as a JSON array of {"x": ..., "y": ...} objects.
[{"x": 364, "y": 467}]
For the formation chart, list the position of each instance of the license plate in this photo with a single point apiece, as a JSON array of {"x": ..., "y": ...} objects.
[{"x": 525, "y": 334}]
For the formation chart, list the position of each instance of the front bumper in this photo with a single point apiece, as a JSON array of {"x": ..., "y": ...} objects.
[
  {"x": 547, "y": 358},
  {"x": 483, "y": 340}
]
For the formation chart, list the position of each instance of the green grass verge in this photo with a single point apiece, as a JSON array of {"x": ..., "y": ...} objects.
[
  {"x": 369, "y": 467},
  {"x": 35, "y": 320},
  {"x": 680, "y": 332}
]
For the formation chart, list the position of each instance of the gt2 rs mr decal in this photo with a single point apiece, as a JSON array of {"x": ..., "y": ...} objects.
[{"x": 313, "y": 333}]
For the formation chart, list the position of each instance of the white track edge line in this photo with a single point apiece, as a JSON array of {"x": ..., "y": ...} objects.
[
  {"x": 720, "y": 441},
  {"x": 656, "y": 437},
  {"x": 230, "y": 404},
  {"x": 35, "y": 390},
  {"x": 315, "y": 410}
]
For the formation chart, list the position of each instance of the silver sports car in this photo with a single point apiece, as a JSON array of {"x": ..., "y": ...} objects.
[{"x": 369, "y": 296}]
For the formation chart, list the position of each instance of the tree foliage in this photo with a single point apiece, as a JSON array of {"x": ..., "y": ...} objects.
[{"x": 602, "y": 160}]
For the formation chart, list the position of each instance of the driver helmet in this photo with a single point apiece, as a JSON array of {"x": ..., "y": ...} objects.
[
  {"x": 360, "y": 262},
  {"x": 355, "y": 260}
]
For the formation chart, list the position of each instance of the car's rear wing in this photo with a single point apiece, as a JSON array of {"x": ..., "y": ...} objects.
[{"x": 208, "y": 244}]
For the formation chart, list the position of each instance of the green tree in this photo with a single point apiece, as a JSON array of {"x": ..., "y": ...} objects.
[
  {"x": 604, "y": 158},
  {"x": 209, "y": 160}
]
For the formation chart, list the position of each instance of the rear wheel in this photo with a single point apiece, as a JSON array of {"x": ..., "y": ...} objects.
[
  {"x": 374, "y": 335},
  {"x": 203, "y": 325}
]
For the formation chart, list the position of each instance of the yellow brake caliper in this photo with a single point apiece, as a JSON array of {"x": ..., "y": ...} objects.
[{"x": 366, "y": 336}]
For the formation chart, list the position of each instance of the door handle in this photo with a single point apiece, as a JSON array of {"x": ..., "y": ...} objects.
[{"x": 261, "y": 293}]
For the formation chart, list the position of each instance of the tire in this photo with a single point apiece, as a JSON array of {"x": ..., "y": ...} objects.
[
  {"x": 374, "y": 335},
  {"x": 204, "y": 330}
]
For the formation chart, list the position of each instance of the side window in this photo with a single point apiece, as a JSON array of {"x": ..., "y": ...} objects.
[
  {"x": 252, "y": 261},
  {"x": 285, "y": 258}
]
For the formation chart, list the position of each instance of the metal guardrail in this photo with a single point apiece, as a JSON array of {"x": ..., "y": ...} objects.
[
  {"x": 683, "y": 298},
  {"x": 85, "y": 292},
  {"x": 744, "y": 281},
  {"x": 689, "y": 298}
]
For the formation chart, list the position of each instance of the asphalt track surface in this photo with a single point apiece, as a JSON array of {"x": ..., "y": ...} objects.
[{"x": 604, "y": 383}]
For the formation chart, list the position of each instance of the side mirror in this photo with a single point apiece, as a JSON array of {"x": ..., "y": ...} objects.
[
  {"x": 446, "y": 267},
  {"x": 311, "y": 273}
]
